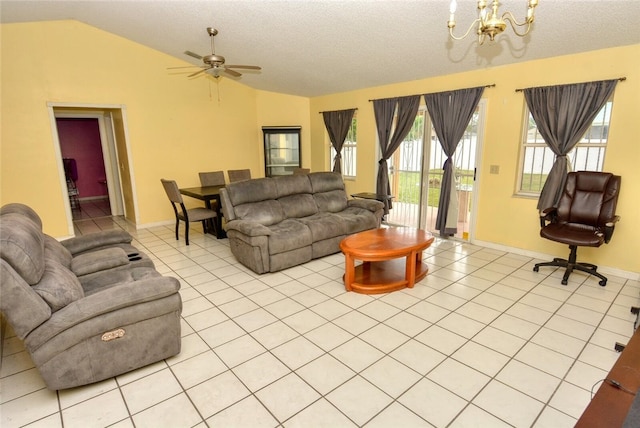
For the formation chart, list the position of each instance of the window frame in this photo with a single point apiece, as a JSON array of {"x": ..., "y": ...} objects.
[{"x": 602, "y": 119}]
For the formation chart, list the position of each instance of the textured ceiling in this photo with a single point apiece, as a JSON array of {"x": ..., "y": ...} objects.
[{"x": 318, "y": 47}]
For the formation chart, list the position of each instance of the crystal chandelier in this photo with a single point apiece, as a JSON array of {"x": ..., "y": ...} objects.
[{"x": 489, "y": 23}]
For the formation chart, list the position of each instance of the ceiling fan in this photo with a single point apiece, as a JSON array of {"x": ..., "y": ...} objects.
[{"x": 214, "y": 64}]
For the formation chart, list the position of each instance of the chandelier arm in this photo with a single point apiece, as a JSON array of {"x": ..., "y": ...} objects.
[
  {"x": 465, "y": 34},
  {"x": 508, "y": 17}
]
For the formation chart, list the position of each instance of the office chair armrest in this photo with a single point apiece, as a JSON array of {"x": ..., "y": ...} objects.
[
  {"x": 609, "y": 228},
  {"x": 547, "y": 215}
]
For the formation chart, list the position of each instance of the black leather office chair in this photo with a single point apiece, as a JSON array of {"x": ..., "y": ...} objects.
[{"x": 585, "y": 217}]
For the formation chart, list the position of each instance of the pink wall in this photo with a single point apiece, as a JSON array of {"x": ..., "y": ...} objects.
[{"x": 80, "y": 139}]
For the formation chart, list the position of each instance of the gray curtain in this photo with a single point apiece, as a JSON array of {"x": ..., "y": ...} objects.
[
  {"x": 563, "y": 114},
  {"x": 338, "y": 123},
  {"x": 450, "y": 113},
  {"x": 390, "y": 138}
]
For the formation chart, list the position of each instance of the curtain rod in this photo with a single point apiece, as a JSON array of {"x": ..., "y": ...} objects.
[
  {"x": 619, "y": 79},
  {"x": 486, "y": 86},
  {"x": 328, "y": 111}
]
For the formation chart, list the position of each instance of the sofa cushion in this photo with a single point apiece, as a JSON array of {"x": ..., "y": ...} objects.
[
  {"x": 287, "y": 185},
  {"x": 263, "y": 212},
  {"x": 22, "y": 246},
  {"x": 288, "y": 235},
  {"x": 357, "y": 219},
  {"x": 53, "y": 248},
  {"x": 332, "y": 201},
  {"x": 259, "y": 189},
  {"x": 325, "y": 181},
  {"x": 324, "y": 226},
  {"x": 296, "y": 206},
  {"x": 58, "y": 286},
  {"x": 19, "y": 302},
  {"x": 22, "y": 209}
]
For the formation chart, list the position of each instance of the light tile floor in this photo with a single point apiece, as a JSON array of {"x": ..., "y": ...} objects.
[{"x": 481, "y": 341}]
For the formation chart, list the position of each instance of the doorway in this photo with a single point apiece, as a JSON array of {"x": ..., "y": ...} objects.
[
  {"x": 415, "y": 175},
  {"x": 84, "y": 165},
  {"x": 105, "y": 161}
]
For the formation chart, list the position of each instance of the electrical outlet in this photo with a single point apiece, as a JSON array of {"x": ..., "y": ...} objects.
[{"x": 494, "y": 169}]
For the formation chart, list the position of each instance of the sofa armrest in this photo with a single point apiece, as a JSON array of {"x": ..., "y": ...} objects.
[
  {"x": 96, "y": 261},
  {"x": 96, "y": 240},
  {"x": 103, "y": 302},
  {"x": 248, "y": 228},
  {"x": 367, "y": 204}
]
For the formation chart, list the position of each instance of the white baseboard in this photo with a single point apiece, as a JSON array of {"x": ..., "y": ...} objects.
[
  {"x": 156, "y": 224},
  {"x": 544, "y": 257}
]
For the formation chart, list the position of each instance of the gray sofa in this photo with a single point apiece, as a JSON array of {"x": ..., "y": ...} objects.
[
  {"x": 276, "y": 223},
  {"x": 88, "y": 308}
]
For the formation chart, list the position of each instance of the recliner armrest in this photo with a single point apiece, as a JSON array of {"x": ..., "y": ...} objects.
[
  {"x": 96, "y": 240},
  {"x": 368, "y": 204},
  {"x": 97, "y": 261},
  {"x": 249, "y": 228}
]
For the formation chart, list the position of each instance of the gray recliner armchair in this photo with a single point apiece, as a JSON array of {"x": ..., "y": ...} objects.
[{"x": 88, "y": 315}]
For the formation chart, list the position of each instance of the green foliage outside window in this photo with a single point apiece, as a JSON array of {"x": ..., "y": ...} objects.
[{"x": 410, "y": 186}]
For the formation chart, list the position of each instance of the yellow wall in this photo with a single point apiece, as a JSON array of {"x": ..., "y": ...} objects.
[
  {"x": 285, "y": 110},
  {"x": 177, "y": 127},
  {"x": 503, "y": 218}
]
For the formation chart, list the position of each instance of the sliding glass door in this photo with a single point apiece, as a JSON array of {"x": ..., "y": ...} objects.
[{"x": 415, "y": 175}]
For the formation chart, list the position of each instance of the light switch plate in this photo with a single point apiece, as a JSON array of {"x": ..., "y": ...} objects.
[{"x": 494, "y": 169}]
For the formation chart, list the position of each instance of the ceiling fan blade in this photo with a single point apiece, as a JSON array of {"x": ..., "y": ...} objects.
[
  {"x": 232, "y": 72},
  {"x": 187, "y": 66},
  {"x": 193, "y": 54},
  {"x": 198, "y": 72},
  {"x": 246, "y": 67}
]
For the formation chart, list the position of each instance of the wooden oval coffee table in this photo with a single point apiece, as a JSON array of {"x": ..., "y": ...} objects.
[{"x": 392, "y": 259}]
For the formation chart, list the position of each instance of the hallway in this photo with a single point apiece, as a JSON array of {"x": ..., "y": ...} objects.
[{"x": 95, "y": 215}]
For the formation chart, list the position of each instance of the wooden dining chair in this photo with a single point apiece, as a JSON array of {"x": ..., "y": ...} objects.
[
  {"x": 213, "y": 178},
  {"x": 239, "y": 175},
  {"x": 204, "y": 215},
  {"x": 297, "y": 171}
]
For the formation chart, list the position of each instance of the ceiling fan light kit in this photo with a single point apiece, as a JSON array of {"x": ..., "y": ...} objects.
[
  {"x": 490, "y": 23},
  {"x": 215, "y": 64}
]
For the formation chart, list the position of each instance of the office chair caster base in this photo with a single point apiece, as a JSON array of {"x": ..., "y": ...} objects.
[{"x": 571, "y": 264}]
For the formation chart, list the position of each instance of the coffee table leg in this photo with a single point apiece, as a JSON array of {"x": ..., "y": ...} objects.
[
  {"x": 349, "y": 271},
  {"x": 410, "y": 274}
]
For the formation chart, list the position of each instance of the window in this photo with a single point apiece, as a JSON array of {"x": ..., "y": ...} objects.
[
  {"x": 537, "y": 159},
  {"x": 348, "y": 152}
]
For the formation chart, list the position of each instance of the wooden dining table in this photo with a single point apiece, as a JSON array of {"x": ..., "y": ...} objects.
[{"x": 208, "y": 194}]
